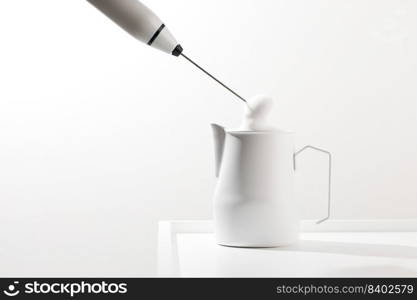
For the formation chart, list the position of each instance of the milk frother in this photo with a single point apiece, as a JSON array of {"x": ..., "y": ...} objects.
[{"x": 139, "y": 21}]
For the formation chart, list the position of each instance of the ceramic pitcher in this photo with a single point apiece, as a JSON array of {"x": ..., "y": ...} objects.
[{"x": 254, "y": 205}]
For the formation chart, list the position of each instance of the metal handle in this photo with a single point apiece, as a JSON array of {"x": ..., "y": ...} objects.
[{"x": 330, "y": 176}]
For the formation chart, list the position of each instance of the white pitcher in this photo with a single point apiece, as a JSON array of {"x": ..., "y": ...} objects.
[{"x": 254, "y": 204}]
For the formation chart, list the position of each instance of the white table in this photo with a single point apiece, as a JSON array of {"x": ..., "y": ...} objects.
[{"x": 367, "y": 248}]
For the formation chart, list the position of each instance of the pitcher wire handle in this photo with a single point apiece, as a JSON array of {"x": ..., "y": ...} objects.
[{"x": 329, "y": 190}]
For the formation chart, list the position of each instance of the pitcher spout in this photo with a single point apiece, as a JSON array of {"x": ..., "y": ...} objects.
[{"x": 219, "y": 135}]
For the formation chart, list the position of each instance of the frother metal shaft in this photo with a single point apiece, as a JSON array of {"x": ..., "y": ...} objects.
[{"x": 214, "y": 78}]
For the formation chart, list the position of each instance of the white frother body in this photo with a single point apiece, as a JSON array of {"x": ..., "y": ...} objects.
[{"x": 139, "y": 21}]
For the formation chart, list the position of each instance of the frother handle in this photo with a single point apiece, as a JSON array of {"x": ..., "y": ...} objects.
[
  {"x": 329, "y": 178},
  {"x": 138, "y": 20}
]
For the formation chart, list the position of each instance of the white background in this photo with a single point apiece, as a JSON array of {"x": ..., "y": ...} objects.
[{"x": 101, "y": 136}]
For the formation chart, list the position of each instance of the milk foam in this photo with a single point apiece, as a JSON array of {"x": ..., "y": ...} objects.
[{"x": 256, "y": 114}]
